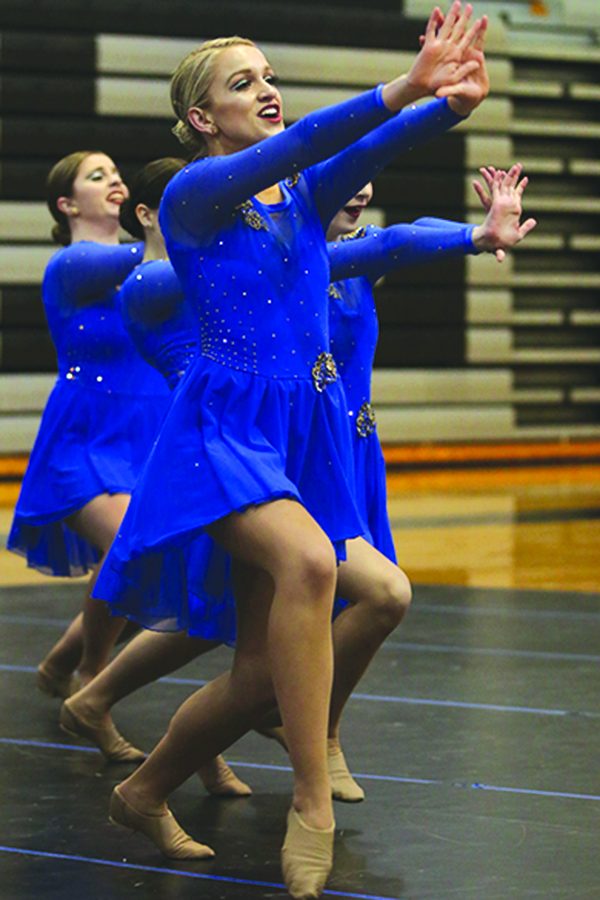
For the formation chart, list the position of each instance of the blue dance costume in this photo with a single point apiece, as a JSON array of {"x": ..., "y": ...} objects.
[
  {"x": 164, "y": 329},
  {"x": 158, "y": 319},
  {"x": 358, "y": 260},
  {"x": 260, "y": 414},
  {"x": 102, "y": 415}
]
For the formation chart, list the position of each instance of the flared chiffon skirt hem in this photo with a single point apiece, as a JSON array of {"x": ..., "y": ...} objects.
[
  {"x": 89, "y": 443},
  {"x": 230, "y": 441}
]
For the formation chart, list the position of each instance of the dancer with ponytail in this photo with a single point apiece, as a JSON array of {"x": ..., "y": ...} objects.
[{"x": 100, "y": 418}]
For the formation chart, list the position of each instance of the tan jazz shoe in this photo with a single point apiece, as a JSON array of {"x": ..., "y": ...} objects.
[
  {"x": 104, "y": 735},
  {"x": 306, "y": 857},
  {"x": 56, "y": 685},
  {"x": 343, "y": 785},
  {"x": 221, "y": 781},
  {"x": 163, "y": 830}
]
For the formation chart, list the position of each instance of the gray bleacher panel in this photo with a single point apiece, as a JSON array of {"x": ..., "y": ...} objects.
[
  {"x": 380, "y": 24},
  {"x": 524, "y": 334}
]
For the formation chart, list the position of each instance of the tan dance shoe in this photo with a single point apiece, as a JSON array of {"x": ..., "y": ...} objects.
[
  {"x": 105, "y": 736},
  {"x": 343, "y": 785},
  {"x": 163, "y": 830},
  {"x": 56, "y": 685},
  {"x": 306, "y": 857},
  {"x": 221, "y": 781}
]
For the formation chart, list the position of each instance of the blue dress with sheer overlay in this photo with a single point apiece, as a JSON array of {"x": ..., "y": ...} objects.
[
  {"x": 260, "y": 413},
  {"x": 102, "y": 415},
  {"x": 163, "y": 327},
  {"x": 358, "y": 260}
]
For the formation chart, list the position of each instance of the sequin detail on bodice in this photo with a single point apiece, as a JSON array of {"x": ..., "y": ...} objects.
[
  {"x": 260, "y": 293},
  {"x": 92, "y": 346}
]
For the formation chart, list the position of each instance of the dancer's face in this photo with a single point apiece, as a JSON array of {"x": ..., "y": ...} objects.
[
  {"x": 346, "y": 220},
  {"x": 244, "y": 105},
  {"x": 98, "y": 190}
]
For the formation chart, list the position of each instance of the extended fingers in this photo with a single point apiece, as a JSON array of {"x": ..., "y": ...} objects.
[
  {"x": 462, "y": 23},
  {"x": 512, "y": 176},
  {"x": 488, "y": 174},
  {"x": 482, "y": 194},
  {"x": 526, "y": 227},
  {"x": 471, "y": 36},
  {"x": 479, "y": 42},
  {"x": 432, "y": 25},
  {"x": 450, "y": 20}
]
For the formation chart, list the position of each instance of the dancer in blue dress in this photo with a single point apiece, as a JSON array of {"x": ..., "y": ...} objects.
[
  {"x": 101, "y": 416},
  {"x": 156, "y": 318},
  {"x": 253, "y": 445},
  {"x": 359, "y": 257}
]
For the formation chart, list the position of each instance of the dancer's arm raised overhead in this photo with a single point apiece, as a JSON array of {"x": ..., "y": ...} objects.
[
  {"x": 337, "y": 179},
  {"x": 241, "y": 162}
]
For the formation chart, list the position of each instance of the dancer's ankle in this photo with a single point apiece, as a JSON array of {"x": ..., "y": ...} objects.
[
  {"x": 141, "y": 799},
  {"x": 316, "y": 811}
]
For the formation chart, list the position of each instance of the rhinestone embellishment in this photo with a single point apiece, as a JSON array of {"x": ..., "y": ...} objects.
[
  {"x": 324, "y": 371},
  {"x": 252, "y": 217},
  {"x": 365, "y": 420},
  {"x": 334, "y": 292},
  {"x": 359, "y": 232}
]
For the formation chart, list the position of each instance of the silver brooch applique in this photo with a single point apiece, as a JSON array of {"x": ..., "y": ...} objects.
[
  {"x": 365, "y": 420},
  {"x": 252, "y": 217},
  {"x": 324, "y": 371},
  {"x": 359, "y": 232}
]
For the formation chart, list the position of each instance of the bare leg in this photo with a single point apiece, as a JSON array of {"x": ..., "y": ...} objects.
[
  {"x": 379, "y": 593},
  {"x": 214, "y": 716},
  {"x": 148, "y": 656},
  {"x": 98, "y": 522},
  {"x": 300, "y": 567},
  {"x": 55, "y": 672},
  {"x": 300, "y": 559}
]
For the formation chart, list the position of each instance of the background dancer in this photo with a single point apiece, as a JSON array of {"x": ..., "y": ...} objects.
[{"x": 100, "y": 418}]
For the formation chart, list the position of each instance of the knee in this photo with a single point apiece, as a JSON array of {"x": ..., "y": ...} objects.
[
  {"x": 392, "y": 598},
  {"x": 314, "y": 566}
]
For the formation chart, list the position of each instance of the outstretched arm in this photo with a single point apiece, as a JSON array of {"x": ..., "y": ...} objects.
[
  {"x": 383, "y": 250},
  {"x": 216, "y": 185},
  {"x": 339, "y": 178},
  {"x": 85, "y": 271}
]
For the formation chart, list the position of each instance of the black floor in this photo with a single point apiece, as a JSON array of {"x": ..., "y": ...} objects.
[{"x": 475, "y": 735}]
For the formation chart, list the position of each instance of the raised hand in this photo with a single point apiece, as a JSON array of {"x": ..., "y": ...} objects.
[
  {"x": 443, "y": 61},
  {"x": 501, "y": 196},
  {"x": 465, "y": 96},
  {"x": 445, "y": 58}
]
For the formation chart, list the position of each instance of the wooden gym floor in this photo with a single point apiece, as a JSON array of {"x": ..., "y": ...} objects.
[{"x": 475, "y": 732}]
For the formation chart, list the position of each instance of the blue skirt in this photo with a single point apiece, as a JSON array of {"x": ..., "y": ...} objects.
[
  {"x": 90, "y": 442},
  {"x": 230, "y": 440},
  {"x": 371, "y": 493}
]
